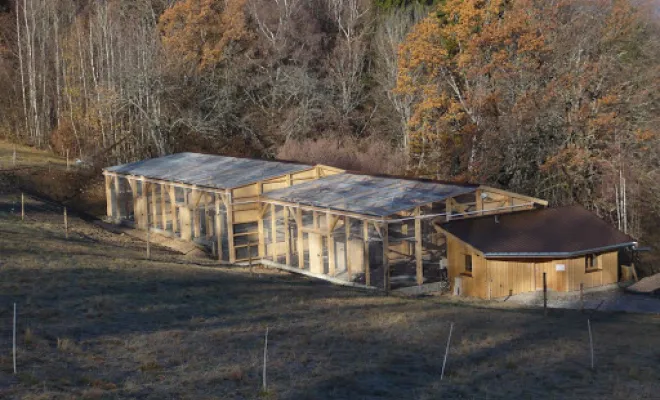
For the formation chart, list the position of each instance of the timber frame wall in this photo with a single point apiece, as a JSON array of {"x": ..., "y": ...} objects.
[
  {"x": 227, "y": 221},
  {"x": 400, "y": 250},
  {"x": 242, "y": 224}
]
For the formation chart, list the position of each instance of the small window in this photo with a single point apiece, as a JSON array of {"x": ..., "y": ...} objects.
[
  {"x": 468, "y": 263},
  {"x": 590, "y": 262}
]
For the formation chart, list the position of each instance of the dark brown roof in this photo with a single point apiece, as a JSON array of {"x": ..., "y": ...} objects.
[{"x": 543, "y": 233}]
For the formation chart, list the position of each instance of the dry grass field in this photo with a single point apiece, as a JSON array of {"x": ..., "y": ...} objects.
[{"x": 96, "y": 320}]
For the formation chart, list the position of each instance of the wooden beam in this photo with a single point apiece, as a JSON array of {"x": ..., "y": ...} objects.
[
  {"x": 154, "y": 206},
  {"x": 386, "y": 260},
  {"x": 419, "y": 262},
  {"x": 230, "y": 227},
  {"x": 448, "y": 208},
  {"x": 480, "y": 202},
  {"x": 514, "y": 195},
  {"x": 331, "y": 244},
  {"x": 163, "y": 206},
  {"x": 301, "y": 243},
  {"x": 261, "y": 246},
  {"x": 207, "y": 216},
  {"x": 218, "y": 227},
  {"x": 273, "y": 231},
  {"x": 196, "y": 197},
  {"x": 175, "y": 218},
  {"x": 118, "y": 198},
  {"x": 109, "y": 198},
  {"x": 347, "y": 232},
  {"x": 365, "y": 238},
  {"x": 287, "y": 235}
]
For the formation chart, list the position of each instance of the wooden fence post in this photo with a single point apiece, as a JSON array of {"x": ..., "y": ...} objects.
[
  {"x": 444, "y": 362},
  {"x": 22, "y": 207},
  {"x": 66, "y": 224},
  {"x": 14, "y": 340}
]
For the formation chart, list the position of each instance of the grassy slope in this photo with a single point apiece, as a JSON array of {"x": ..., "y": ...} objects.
[{"x": 97, "y": 320}]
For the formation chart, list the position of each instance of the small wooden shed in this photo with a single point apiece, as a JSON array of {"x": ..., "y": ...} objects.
[{"x": 500, "y": 255}]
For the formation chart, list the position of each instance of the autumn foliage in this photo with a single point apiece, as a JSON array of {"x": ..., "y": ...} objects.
[{"x": 551, "y": 98}]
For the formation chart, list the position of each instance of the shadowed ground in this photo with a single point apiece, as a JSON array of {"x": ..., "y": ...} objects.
[{"x": 97, "y": 320}]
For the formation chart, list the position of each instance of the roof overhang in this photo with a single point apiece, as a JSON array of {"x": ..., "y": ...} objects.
[{"x": 555, "y": 255}]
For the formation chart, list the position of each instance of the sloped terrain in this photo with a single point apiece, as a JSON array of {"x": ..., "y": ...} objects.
[{"x": 97, "y": 320}]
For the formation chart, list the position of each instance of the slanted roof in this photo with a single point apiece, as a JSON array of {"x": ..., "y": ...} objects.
[
  {"x": 560, "y": 232},
  {"x": 368, "y": 195},
  {"x": 208, "y": 170}
]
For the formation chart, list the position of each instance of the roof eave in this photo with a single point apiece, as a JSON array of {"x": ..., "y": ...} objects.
[{"x": 558, "y": 254}]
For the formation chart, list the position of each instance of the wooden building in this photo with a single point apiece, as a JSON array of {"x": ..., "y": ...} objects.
[
  {"x": 373, "y": 230},
  {"x": 501, "y": 255},
  {"x": 322, "y": 221},
  {"x": 209, "y": 199}
]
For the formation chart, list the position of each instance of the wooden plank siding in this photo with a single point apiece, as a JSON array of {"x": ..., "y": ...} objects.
[{"x": 498, "y": 278}]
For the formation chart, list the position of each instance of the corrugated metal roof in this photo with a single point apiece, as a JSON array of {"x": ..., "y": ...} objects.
[
  {"x": 208, "y": 170},
  {"x": 368, "y": 195},
  {"x": 544, "y": 233}
]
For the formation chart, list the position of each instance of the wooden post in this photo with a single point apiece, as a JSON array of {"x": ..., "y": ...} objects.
[
  {"x": 117, "y": 198},
  {"x": 197, "y": 226},
  {"x": 14, "y": 340},
  {"x": 332, "y": 258},
  {"x": 444, "y": 362},
  {"x": 145, "y": 191},
  {"x": 67, "y": 159},
  {"x": 66, "y": 224},
  {"x": 386, "y": 261},
  {"x": 154, "y": 206},
  {"x": 367, "y": 267},
  {"x": 109, "y": 198},
  {"x": 448, "y": 209},
  {"x": 230, "y": 226},
  {"x": 265, "y": 359},
  {"x": 249, "y": 250},
  {"x": 418, "y": 247},
  {"x": 273, "y": 231},
  {"x": 22, "y": 206},
  {"x": 591, "y": 343},
  {"x": 347, "y": 231},
  {"x": 175, "y": 218},
  {"x": 287, "y": 235},
  {"x": 479, "y": 201},
  {"x": 207, "y": 216},
  {"x": 163, "y": 206},
  {"x": 582, "y": 297},
  {"x": 301, "y": 242},
  {"x": 261, "y": 245},
  {"x": 545, "y": 295},
  {"x": 218, "y": 226}
]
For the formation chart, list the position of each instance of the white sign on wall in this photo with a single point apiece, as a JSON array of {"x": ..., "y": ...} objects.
[{"x": 560, "y": 267}]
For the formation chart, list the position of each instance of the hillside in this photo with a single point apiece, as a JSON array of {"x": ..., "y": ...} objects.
[{"x": 97, "y": 320}]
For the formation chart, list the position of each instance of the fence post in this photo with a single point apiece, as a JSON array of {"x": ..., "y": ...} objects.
[
  {"x": 22, "y": 206},
  {"x": 545, "y": 295},
  {"x": 581, "y": 297},
  {"x": 67, "y": 159},
  {"x": 14, "y": 340},
  {"x": 249, "y": 256},
  {"x": 66, "y": 224},
  {"x": 444, "y": 362},
  {"x": 591, "y": 343},
  {"x": 265, "y": 359}
]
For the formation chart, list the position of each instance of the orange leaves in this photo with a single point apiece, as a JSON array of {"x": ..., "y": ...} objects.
[{"x": 203, "y": 31}]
